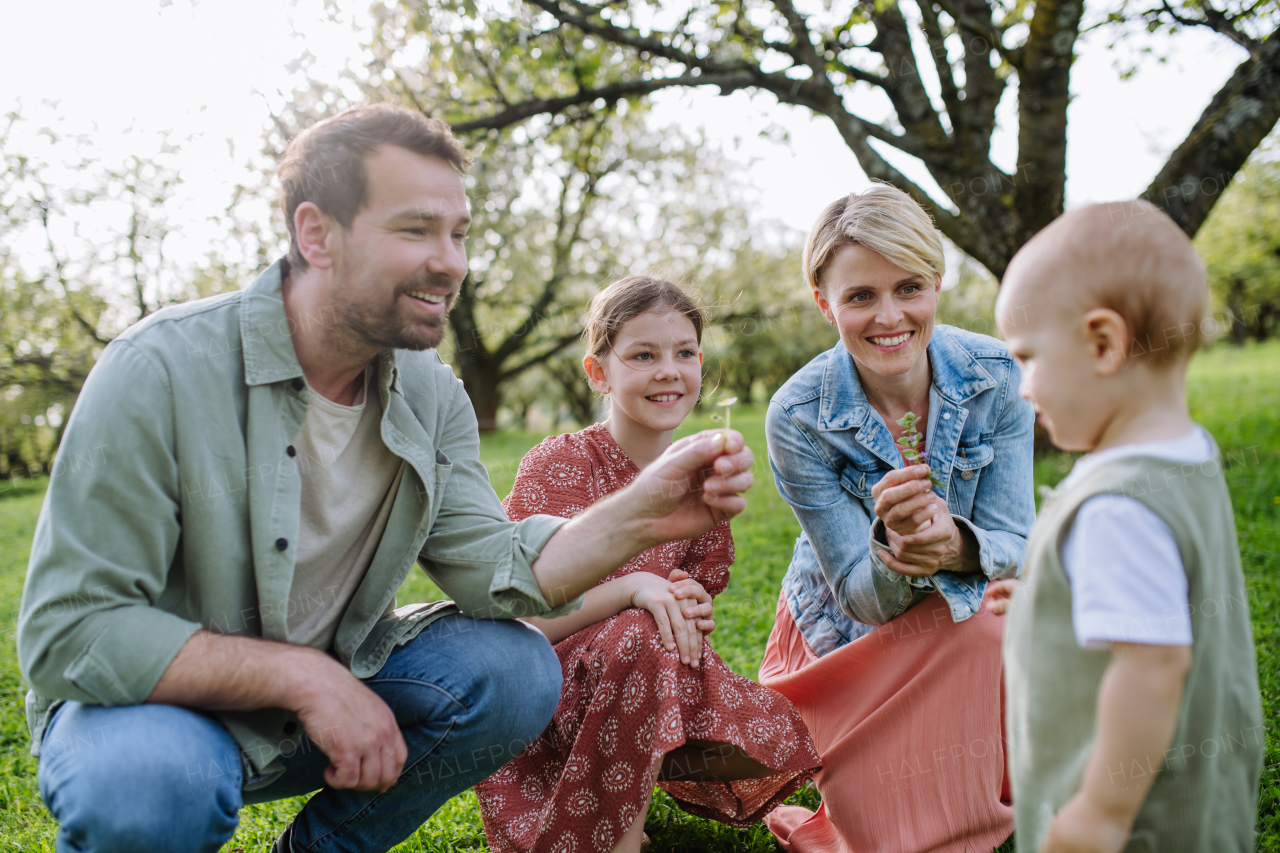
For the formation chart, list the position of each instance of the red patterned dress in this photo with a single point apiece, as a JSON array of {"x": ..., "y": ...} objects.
[{"x": 626, "y": 700}]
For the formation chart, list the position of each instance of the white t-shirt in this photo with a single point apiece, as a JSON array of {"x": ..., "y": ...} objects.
[
  {"x": 1128, "y": 584},
  {"x": 349, "y": 483}
]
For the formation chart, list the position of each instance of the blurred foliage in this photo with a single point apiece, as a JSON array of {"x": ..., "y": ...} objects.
[
  {"x": 764, "y": 324},
  {"x": 1240, "y": 244},
  {"x": 82, "y": 257},
  {"x": 970, "y": 302}
]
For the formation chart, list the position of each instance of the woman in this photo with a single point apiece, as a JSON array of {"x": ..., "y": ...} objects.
[{"x": 880, "y": 639}]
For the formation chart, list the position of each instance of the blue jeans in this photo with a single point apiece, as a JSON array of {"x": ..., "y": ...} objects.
[{"x": 468, "y": 695}]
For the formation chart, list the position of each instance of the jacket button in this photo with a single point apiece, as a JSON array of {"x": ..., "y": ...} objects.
[
  {"x": 297, "y": 384},
  {"x": 966, "y": 475},
  {"x": 291, "y": 451},
  {"x": 281, "y": 544}
]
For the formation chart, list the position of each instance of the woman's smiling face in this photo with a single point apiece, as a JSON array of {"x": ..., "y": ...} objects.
[{"x": 884, "y": 313}]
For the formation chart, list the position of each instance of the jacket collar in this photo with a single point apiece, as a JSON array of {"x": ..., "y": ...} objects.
[
  {"x": 268, "y": 347},
  {"x": 957, "y": 377}
]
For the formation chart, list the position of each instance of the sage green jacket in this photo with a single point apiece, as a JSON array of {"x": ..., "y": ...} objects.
[
  {"x": 173, "y": 505},
  {"x": 1205, "y": 790}
]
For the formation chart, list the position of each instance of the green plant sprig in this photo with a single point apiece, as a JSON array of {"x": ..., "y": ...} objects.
[
  {"x": 910, "y": 442},
  {"x": 725, "y": 404}
]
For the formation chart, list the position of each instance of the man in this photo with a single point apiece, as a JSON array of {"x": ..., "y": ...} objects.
[{"x": 209, "y": 615}]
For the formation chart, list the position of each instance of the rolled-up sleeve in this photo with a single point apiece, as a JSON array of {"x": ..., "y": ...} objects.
[
  {"x": 88, "y": 627},
  {"x": 478, "y": 556},
  {"x": 836, "y": 524}
]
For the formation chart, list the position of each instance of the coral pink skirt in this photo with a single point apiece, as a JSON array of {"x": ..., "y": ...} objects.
[{"x": 909, "y": 723}]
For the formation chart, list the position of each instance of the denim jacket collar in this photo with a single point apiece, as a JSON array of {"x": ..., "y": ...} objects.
[{"x": 957, "y": 376}]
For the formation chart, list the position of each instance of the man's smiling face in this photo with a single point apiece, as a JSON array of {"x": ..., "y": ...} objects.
[{"x": 402, "y": 261}]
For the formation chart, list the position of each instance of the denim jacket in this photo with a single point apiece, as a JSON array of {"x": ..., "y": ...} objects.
[{"x": 828, "y": 447}]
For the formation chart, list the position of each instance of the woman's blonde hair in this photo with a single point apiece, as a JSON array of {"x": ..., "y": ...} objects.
[
  {"x": 885, "y": 220},
  {"x": 627, "y": 299}
]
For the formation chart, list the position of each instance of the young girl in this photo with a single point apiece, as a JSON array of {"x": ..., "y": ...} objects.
[{"x": 644, "y": 695}]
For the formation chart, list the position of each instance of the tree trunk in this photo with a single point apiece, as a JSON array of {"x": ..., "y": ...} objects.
[
  {"x": 1263, "y": 329},
  {"x": 1235, "y": 306},
  {"x": 480, "y": 380}
]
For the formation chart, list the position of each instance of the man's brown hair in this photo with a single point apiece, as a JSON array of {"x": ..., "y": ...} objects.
[{"x": 325, "y": 163}]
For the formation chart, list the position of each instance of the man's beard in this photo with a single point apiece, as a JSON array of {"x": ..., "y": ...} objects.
[{"x": 389, "y": 326}]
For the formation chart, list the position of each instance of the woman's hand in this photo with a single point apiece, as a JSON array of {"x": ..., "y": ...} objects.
[
  {"x": 923, "y": 537},
  {"x": 940, "y": 546},
  {"x": 905, "y": 499},
  {"x": 679, "y": 618}
]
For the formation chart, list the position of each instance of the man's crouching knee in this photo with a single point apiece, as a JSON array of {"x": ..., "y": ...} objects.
[{"x": 530, "y": 682}]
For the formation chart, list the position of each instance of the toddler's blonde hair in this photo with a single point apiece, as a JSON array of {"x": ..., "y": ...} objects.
[{"x": 885, "y": 220}]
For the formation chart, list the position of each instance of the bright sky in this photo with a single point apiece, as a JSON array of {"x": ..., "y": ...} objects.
[{"x": 126, "y": 70}]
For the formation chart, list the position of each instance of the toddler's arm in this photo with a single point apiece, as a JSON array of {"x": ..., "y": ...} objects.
[{"x": 1138, "y": 705}]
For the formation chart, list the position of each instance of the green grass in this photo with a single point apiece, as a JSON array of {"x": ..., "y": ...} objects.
[{"x": 1235, "y": 393}]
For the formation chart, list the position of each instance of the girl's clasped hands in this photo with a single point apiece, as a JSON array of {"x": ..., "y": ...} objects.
[{"x": 680, "y": 606}]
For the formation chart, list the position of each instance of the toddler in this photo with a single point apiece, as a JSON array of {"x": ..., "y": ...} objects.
[{"x": 1134, "y": 717}]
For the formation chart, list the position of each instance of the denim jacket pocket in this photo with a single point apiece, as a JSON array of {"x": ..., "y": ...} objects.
[
  {"x": 858, "y": 483},
  {"x": 966, "y": 470}
]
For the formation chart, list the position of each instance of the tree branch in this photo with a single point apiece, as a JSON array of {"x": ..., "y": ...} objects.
[
  {"x": 938, "y": 48},
  {"x": 854, "y": 73},
  {"x": 557, "y": 345},
  {"x": 90, "y": 329},
  {"x": 1214, "y": 19},
  {"x": 904, "y": 86},
  {"x": 1238, "y": 118},
  {"x": 957, "y": 227},
  {"x": 632, "y": 38},
  {"x": 563, "y": 248},
  {"x": 489, "y": 72},
  {"x": 805, "y": 51},
  {"x": 989, "y": 30},
  {"x": 611, "y": 93}
]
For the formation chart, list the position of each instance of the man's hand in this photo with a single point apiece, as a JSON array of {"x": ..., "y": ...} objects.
[
  {"x": 351, "y": 725},
  {"x": 1081, "y": 827},
  {"x": 694, "y": 485}
]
